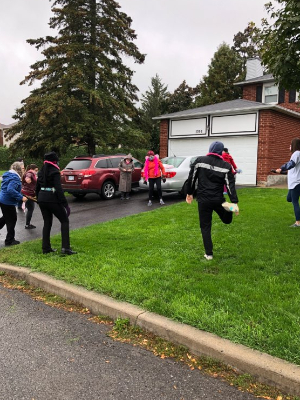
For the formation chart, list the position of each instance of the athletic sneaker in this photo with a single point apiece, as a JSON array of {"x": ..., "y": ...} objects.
[
  {"x": 231, "y": 207},
  {"x": 208, "y": 257},
  {"x": 161, "y": 202},
  {"x": 30, "y": 226},
  {"x": 295, "y": 226},
  {"x": 149, "y": 203}
]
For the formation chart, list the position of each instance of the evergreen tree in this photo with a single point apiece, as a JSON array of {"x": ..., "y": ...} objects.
[
  {"x": 153, "y": 104},
  {"x": 181, "y": 99},
  {"x": 86, "y": 93},
  {"x": 217, "y": 86}
]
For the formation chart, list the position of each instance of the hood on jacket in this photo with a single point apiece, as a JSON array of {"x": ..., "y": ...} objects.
[
  {"x": 216, "y": 147},
  {"x": 128, "y": 157}
]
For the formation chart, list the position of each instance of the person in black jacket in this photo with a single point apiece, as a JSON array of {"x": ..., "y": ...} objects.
[
  {"x": 52, "y": 201},
  {"x": 212, "y": 173}
]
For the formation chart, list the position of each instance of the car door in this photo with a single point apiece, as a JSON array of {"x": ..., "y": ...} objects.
[{"x": 136, "y": 175}]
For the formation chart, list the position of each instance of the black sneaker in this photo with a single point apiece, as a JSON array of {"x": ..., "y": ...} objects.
[
  {"x": 49, "y": 251},
  {"x": 30, "y": 226},
  {"x": 68, "y": 252},
  {"x": 13, "y": 243}
]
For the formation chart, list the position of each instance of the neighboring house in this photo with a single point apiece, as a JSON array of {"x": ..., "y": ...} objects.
[
  {"x": 256, "y": 129},
  {"x": 3, "y": 140}
]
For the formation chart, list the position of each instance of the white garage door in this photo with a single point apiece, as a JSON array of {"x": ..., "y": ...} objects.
[{"x": 243, "y": 149}]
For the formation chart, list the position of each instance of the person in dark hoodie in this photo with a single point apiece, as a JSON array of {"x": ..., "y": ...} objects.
[
  {"x": 212, "y": 173},
  {"x": 10, "y": 197},
  {"x": 52, "y": 201}
]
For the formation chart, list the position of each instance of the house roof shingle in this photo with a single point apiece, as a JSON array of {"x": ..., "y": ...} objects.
[{"x": 233, "y": 106}]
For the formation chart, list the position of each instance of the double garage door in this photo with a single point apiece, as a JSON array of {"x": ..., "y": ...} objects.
[{"x": 243, "y": 149}]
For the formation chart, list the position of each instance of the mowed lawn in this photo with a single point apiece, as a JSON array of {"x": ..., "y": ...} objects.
[{"x": 249, "y": 293}]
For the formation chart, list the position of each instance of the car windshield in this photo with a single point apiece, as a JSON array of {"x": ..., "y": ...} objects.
[
  {"x": 78, "y": 164},
  {"x": 175, "y": 161}
]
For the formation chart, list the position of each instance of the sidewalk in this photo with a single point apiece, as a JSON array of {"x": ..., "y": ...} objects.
[{"x": 265, "y": 368}]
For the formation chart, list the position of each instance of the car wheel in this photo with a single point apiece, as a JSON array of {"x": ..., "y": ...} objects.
[
  {"x": 108, "y": 190},
  {"x": 79, "y": 195}
]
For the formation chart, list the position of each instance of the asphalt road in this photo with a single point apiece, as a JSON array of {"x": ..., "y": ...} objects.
[
  {"x": 51, "y": 354},
  {"x": 90, "y": 210}
]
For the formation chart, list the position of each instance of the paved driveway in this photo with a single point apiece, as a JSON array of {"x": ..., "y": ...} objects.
[{"x": 90, "y": 210}]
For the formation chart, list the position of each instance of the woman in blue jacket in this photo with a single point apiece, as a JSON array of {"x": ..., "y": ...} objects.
[{"x": 10, "y": 196}]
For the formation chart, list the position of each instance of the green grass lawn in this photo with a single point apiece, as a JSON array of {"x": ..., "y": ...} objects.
[{"x": 249, "y": 293}]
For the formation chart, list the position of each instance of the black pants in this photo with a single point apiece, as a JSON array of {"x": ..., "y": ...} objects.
[
  {"x": 205, "y": 216},
  {"x": 59, "y": 211},
  {"x": 9, "y": 218},
  {"x": 152, "y": 182},
  {"x": 30, "y": 207}
]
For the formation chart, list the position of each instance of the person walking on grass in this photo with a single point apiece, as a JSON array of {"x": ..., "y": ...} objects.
[
  {"x": 10, "y": 197},
  {"x": 29, "y": 179},
  {"x": 154, "y": 171},
  {"x": 292, "y": 168},
  {"x": 52, "y": 202},
  {"x": 211, "y": 173},
  {"x": 126, "y": 168}
]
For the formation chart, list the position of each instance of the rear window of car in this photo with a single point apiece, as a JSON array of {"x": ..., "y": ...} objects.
[
  {"x": 101, "y": 163},
  {"x": 78, "y": 164},
  {"x": 175, "y": 161},
  {"x": 114, "y": 162}
]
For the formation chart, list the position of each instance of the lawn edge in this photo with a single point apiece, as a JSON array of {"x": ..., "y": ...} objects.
[{"x": 265, "y": 368}]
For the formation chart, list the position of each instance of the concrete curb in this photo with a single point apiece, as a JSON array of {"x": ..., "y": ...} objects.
[{"x": 267, "y": 369}]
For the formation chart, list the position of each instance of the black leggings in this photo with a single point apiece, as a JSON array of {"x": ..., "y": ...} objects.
[
  {"x": 156, "y": 181},
  {"x": 59, "y": 211},
  {"x": 9, "y": 218},
  {"x": 205, "y": 217},
  {"x": 30, "y": 207}
]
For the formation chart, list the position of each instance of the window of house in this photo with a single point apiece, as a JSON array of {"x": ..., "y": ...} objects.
[{"x": 270, "y": 94}]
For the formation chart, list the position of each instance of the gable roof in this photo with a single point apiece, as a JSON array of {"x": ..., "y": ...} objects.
[
  {"x": 262, "y": 79},
  {"x": 232, "y": 107}
]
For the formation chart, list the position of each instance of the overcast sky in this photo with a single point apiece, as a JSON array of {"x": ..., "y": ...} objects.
[{"x": 179, "y": 37}]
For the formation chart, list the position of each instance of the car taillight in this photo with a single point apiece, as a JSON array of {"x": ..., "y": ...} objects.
[
  {"x": 170, "y": 174},
  {"x": 88, "y": 173}
]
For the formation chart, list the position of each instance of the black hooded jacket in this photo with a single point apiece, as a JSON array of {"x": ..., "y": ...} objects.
[
  {"x": 211, "y": 173},
  {"x": 49, "y": 178}
]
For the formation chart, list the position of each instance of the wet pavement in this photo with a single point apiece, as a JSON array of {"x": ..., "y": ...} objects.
[{"x": 88, "y": 211}]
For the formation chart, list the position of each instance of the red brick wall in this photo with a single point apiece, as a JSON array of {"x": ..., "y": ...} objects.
[
  {"x": 164, "y": 134},
  {"x": 276, "y": 132},
  {"x": 249, "y": 92}
]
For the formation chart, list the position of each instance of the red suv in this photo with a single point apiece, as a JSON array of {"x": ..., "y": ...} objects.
[{"x": 96, "y": 174}]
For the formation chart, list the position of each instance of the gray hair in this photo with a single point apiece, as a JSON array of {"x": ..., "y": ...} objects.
[{"x": 17, "y": 166}]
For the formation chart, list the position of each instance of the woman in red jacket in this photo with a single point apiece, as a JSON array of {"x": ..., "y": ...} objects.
[{"x": 153, "y": 173}]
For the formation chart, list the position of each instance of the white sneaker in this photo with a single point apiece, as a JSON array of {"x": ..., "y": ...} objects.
[
  {"x": 149, "y": 203},
  {"x": 231, "y": 207},
  {"x": 161, "y": 202},
  {"x": 208, "y": 257}
]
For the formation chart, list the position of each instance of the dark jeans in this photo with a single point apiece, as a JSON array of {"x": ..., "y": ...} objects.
[
  {"x": 293, "y": 197},
  {"x": 9, "y": 218},
  {"x": 152, "y": 182},
  {"x": 205, "y": 217},
  {"x": 59, "y": 211},
  {"x": 30, "y": 207}
]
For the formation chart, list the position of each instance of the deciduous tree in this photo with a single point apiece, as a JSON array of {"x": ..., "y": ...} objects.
[{"x": 280, "y": 41}]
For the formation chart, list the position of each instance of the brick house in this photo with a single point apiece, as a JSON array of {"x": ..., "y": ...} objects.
[{"x": 257, "y": 129}]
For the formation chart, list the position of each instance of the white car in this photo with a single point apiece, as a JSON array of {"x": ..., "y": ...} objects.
[{"x": 177, "y": 172}]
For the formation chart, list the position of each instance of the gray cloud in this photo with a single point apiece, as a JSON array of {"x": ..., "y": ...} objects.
[{"x": 178, "y": 36}]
